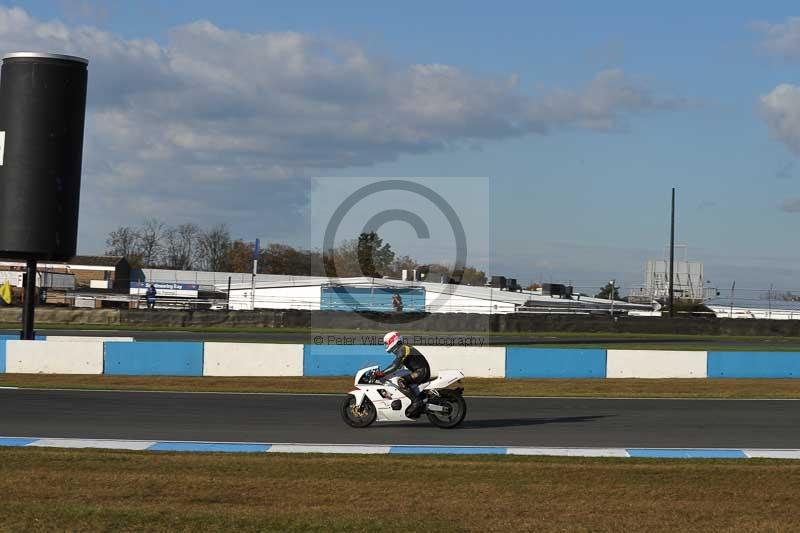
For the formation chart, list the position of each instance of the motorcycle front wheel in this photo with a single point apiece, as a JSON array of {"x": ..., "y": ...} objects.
[
  {"x": 456, "y": 410},
  {"x": 358, "y": 416}
]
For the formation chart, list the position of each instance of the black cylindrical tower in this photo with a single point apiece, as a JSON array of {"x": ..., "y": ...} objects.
[{"x": 42, "y": 109}]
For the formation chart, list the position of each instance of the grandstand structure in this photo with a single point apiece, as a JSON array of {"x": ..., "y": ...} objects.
[{"x": 689, "y": 283}]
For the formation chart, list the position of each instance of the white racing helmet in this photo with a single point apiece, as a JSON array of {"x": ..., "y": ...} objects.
[{"x": 391, "y": 340}]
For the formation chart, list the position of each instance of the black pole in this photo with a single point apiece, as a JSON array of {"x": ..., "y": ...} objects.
[
  {"x": 672, "y": 259},
  {"x": 228, "y": 300},
  {"x": 30, "y": 301}
]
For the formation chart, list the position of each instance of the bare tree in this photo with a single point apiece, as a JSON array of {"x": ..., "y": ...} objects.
[
  {"x": 180, "y": 246},
  {"x": 215, "y": 244},
  {"x": 151, "y": 236},
  {"x": 125, "y": 241}
]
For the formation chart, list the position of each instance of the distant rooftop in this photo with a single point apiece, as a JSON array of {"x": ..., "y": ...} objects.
[
  {"x": 96, "y": 260},
  {"x": 78, "y": 260}
]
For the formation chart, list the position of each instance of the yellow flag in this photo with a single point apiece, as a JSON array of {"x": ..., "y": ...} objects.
[{"x": 5, "y": 293}]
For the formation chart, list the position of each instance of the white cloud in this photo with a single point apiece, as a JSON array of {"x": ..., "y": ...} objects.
[
  {"x": 791, "y": 205},
  {"x": 782, "y": 39},
  {"x": 780, "y": 109},
  {"x": 216, "y": 117}
]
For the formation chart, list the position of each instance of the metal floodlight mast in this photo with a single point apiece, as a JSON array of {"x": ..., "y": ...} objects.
[
  {"x": 42, "y": 112},
  {"x": 672, "y": 259}
]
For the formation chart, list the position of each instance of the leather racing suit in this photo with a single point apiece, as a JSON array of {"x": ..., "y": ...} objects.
[{"x": 411, "y": 358}]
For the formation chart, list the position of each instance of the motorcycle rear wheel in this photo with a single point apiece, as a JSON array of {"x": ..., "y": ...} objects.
[
  {"x": 358, "y": 417},
  {"x": 458, "y": 410}
]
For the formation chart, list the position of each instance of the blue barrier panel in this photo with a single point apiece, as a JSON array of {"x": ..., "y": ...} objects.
[
  {"x": 153, "y": 358},
  {"x": 327, "y": 360},
  {"x": 3, "y": 339},
  {"x": 753, "y": 365},
  {"x": 555, "y": 363}
]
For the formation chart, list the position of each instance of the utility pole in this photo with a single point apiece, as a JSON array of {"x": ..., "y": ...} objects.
[
  {"x": 29, "y": 304},
  {"x": 256, "y": 250},
  {"x": 672, "y": 259},
  {"x": 769, "y": 295},
  {"x": 612, "y": 283}
]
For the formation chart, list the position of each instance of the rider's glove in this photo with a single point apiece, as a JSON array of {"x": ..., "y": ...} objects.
[{"x": 378, "y": 374}]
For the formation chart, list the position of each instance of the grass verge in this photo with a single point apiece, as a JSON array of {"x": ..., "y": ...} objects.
[
  {"x": 133, "y": 491},
  {"x": 611, "y": 388}
]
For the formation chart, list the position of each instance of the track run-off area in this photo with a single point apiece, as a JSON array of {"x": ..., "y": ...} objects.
[{"x": 314, "y": 419}]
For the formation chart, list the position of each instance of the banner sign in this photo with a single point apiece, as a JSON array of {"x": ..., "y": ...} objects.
[{"x": 183, "y": 290}]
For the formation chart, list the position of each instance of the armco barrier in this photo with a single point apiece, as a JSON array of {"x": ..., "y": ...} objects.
[
  {"x": 327, "y": 360},
  {"x": 42, "y": 357},
  {"x": 555, "y": 363},
  {"x": 655, "y": 364},
  {"x": 251, "y": 359},
  {"x": 153, "y": 358},
  {"x": 489, "y": 362},
  {"x": 753, "y": 364}
]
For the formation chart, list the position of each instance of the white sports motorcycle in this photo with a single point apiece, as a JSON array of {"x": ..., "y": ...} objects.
[{"x": 381, "y": 399}]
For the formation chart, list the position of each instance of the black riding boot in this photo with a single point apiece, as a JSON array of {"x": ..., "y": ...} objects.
[
  {"x": 416, "y": 400},
  {"x": 415, "y": 409}
]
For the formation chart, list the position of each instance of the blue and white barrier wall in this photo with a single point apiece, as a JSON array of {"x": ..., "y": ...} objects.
[
  {"x": 555, "y": 363},
  {"x": 251, "y": 359},
  {"x": 655, "y": 364},
  {"x": 153, "y": 358},
  {"x": 122, "y": 357},
  {"x": 43, "y": 357},
  {"x": 753, "y": 365}
]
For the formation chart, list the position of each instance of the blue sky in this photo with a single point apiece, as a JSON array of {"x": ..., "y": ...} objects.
[{"x": 621, "y": 103}]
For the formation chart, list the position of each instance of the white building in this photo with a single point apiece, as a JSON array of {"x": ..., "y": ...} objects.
[
  {"x": 321, "y": 293},
  {"x": 312, "y": 293}
]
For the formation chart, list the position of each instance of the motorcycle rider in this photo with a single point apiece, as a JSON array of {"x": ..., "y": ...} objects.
[{"x": 411, "y": 358}]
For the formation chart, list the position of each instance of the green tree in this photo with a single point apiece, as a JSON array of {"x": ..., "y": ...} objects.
[
  {"x": 467, "y": 276},
  {"x": 605, "y": 292},
  {"x": 374, "y": 257}
]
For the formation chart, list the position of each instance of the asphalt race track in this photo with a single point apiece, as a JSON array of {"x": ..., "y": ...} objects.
[{"x": 562, "y": 422}]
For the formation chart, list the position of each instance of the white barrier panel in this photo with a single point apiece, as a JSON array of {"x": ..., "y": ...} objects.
[
  {"x": 67, "y": 338},
  {"x": 486, "y": 362},
  {"x": 43, "y": 357},
  {"x": 656, "y": 364},
  {"x": 252, "y": 359}
]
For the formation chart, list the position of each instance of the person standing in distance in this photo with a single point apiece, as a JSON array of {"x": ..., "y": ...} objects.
[{"x": 151, "y": 296}]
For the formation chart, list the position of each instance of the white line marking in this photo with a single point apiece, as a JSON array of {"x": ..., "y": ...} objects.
[
  {"x": 105, "y": 444},
  {"x": 335, "y": 448},
  {"x": 773, "y": 454},
  {"x": 570, "y": 452},
  {"x": 142, "y": 445}
]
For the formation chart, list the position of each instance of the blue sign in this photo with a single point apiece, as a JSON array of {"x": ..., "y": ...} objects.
[
  {"x": 348, "y": 298},
  {"x": 165, "y": 286}
]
